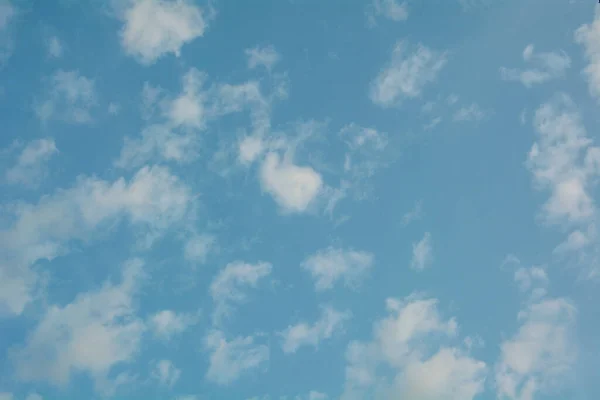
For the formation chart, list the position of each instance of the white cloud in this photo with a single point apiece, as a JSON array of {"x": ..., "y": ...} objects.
[
  {"x": 231, "y": 359},
  {"x": 563, "y": 161},
  {"x": 227, "y": 288},
  {"x": 188, "y": 108},
  {"x": 366, "y": 151},
  {"x": 8, "y": 12},
  {"x": 197, "y": 248},
  {"x": 154, "y": 28},
  {"x": 328, "y": 266},
  {"x": 70, "y": 98},
  {"x": 539, "y": 356},
  {"x": 545, "y": 67},
  {"x": 96, "y": 332},
  {"x": 54, "y": 47},
  {"x": 404, "y": 342},
  {"x": 265, "y": 56},
  {"x": 406, "y": 75},
  {"x": 588, "y": 35},
  {"x": 529, "y": 278},
  {"x": 293, "y": 187},
  {"x": 30, "y": 167},
  {"x": 166, "y": 373},
  {"x": 329, "y": 323},
  {"x": 422, "y": 253},
  {"x": 390, "y": 9},
  {"x": 166, "y": 323},
  {"x": 153, "y": 200},
  {"x": 469, "y": 113}
]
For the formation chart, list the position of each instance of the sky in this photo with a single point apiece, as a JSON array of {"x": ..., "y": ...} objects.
[{"x": 299, "y": 199}]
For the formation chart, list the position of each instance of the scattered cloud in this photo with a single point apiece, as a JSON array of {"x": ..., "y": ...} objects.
[
  {"x": 8, "y": 12},
  {"x": 405, "y": 344},
  {"x": 153, "y": 200},
  {"x": 469, "y": 113},
  {"x": 265, "y": 57},
  {"x": 413, "y": 215},
  {"x": 541, "y": 356},
  {"x": 197, "y": 248},
  {"x": 231, "y": 359},
  {"x": 544, "y": 67},
  {"x": 54, "y": 47},
  {"x": 70, "y": 98},
  {"x": 406, "y": 75},
  {"x": 329, "y": 323},
  {"x": 154, "y": 28},
  {"x": 98, "y": 331},
  {"x": 166, "y": 373},
  {"x": 228, "y": 287},
  {"x": 588, "y": 35},
  {"x": 390, "y": 9},
  {"x": 30, "y": 168},
  {"x": 293, "y": 187},
  {"x": 330, "y": 265},
  {"x": 166, "y": 324},
  {"x": 422, "y": 253}
]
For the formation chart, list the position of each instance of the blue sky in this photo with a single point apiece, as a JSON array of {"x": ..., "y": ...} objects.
[{"x": 300, "y": 200}]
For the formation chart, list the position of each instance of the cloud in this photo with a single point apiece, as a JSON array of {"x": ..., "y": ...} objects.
[
  {"x": 330, "y": 265},
  {"x": 154, "y": 28},
  {"x": 70, "y": 98},
  {"x": 166, "y": 373},
  {"x": 153, "y": 200},
  {"x": 329, "y": 323},
  {"x": 231, "y": 359},
  {"x": 469, "y": 113},
  {"x": 413, "y": 215},
  {"x": 54, "y": 47},
  {"x": 390, "y": 9},
  {"x": 563, "y": 161},
  {"x": 98, "y": 331},
  {"x": 588, "y": 35},
  {"x": 422, "y": 253},
  {"x": 166, "y": 323},
  {"x": 227, "y": 288},
  {"x": 197, "y": 248},
  {"x": 540, "y": 355},
  {"x": 406, "y": 74},
  {"x": 293, "y": 187},
  {"x": 8, "y": 12},
  {"x": 265, "y": 56},
  {"x": 30, "y": 167},
  {"x": 545, "y": 67},
  {"x": 405, "y": 344}
]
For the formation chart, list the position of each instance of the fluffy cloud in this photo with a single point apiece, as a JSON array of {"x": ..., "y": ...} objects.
[
  {"x": 539, "y": 357},
  {"x": 563, "y": 161},
  {"x": 154, "y": 28},
  {"x": 70, "y": 98},
  {"x": 166, "y": 323},
  {"x": 231, "y": 359},
  {"x": 30, "y": 167},
  {"x": 406, "y": 75},
  {"x": 166, "y": 373},
  {"x": 293, "y": 187},
  {"x": 588, "y": 35},
  {"x": 227, "y": 288},
  {"x": 545, "y": 66},
  {"x": 262, "y": 56},
  {"x": 329, "y": 323},
  {"x": 328, "y": 266},
  {"x": 404, "y": 342},
  {"x": 422, "y": 253},
  {"x": 153, "y": 200},
  {"x": 98, "y": 331}
]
